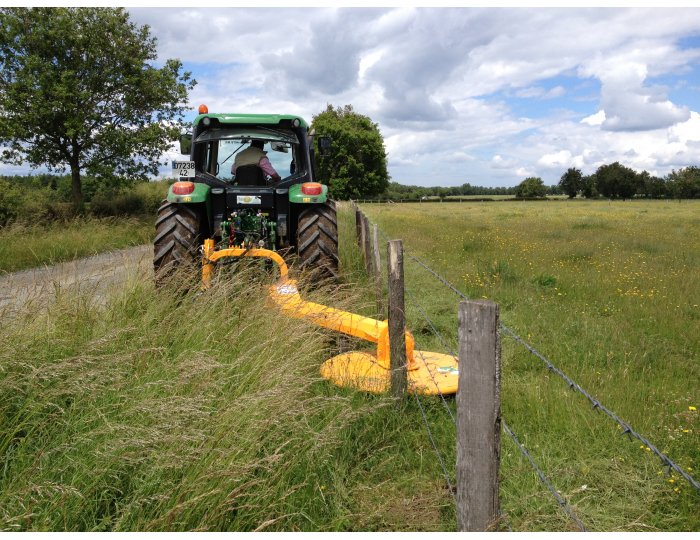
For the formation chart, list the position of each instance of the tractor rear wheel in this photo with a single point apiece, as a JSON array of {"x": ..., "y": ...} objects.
[
  {"x": 177, "y": 239},
  {"x": 317, "y": 239}
]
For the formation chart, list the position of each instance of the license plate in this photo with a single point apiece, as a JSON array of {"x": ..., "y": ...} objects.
[
  {"x": 248, "y": 199},
  {"x": 183, "y": 169}
]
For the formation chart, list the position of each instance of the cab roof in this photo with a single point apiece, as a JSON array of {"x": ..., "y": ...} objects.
[{"x": 263, "y": 119}]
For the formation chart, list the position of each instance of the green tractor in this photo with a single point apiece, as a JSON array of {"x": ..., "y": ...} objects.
[{"x": 246, "y": 208}]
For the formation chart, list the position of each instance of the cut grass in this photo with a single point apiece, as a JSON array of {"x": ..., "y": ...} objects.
[{"x": 27, "y": 246}]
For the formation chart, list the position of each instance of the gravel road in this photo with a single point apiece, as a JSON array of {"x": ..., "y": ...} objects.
[{"x": 96, "y": 273}]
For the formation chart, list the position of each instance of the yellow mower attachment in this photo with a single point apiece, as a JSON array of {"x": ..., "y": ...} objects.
[{"x": 428, "y": 372}]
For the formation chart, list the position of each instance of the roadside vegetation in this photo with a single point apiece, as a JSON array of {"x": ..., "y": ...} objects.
[
  {"x": 130, "y": 414},
  {"x": 40, "y": 226}
]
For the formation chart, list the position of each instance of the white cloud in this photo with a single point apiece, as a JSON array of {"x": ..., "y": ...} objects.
[
  {"x": 558, "y": 160},
  {"x": 596, "y": 119},
  {"x": 439, "y": 81}
]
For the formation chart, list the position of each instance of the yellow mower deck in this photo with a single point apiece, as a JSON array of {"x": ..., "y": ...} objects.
[{"x": 428, "y": 372}]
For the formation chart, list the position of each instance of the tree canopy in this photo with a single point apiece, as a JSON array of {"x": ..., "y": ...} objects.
[
  {"x": 616, "y": 180},
  {"x": 531, "y": 187},
  {"x": 685, "y": 183},
  {"x": 357, "y": 165},
  {"x": 78, "y": 91},
  {"x": 571, "y": 182}
]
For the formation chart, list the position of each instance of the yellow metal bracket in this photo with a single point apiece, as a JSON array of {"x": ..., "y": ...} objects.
[{"x": 428, "y": 372}]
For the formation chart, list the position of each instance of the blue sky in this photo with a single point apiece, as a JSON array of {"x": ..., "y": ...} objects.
[{"x": 480, "y": 95}]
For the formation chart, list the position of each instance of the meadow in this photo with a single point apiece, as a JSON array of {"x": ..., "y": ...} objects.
[
  {"x": 610, "y": 293},
  {"x": 130, "y": 413}
]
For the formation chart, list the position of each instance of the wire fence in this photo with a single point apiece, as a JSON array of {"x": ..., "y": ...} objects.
[{"x": 626, "y": 428}]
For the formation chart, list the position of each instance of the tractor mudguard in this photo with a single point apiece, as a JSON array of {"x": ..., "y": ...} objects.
[{"x": 296, "y": 196}]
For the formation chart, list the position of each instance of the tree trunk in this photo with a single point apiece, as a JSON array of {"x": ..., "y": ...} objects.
[{"x": 77, "y": 189}]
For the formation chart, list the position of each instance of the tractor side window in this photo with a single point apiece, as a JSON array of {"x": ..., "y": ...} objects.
[{"x": 210, "y": 158}]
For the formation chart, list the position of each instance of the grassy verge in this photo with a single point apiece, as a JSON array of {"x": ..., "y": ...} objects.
[
  {"x": 161, "y": 411},
  {"x": 26, "y": 246},
  {"x": 156, "y": 410},
  {"x": 609, "y": 292}
]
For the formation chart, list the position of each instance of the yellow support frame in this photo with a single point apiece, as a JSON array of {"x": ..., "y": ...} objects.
[{"x": 436, "y": 373}]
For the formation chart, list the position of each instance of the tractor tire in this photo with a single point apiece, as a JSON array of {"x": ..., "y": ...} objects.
[
  {"x": 317, "y": 240},
  {"x": 177, "y": 239}
]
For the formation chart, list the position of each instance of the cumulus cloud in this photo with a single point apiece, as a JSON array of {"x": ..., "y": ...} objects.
[{"x": 629, "y": 105}]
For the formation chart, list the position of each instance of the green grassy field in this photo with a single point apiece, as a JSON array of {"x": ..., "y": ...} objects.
[
  {"x": 130, "y": 413},
  {"x": 610, "y": 292}
]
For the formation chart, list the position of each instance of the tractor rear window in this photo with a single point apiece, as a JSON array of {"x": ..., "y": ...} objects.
[{"x": 224, "y": 151}]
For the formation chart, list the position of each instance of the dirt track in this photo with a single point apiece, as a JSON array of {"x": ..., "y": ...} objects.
[{"x": 96, "y": 273}]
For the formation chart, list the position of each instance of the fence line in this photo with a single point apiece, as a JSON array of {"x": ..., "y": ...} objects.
[
  {"x": 540, "y": 474},
  {"x": 597, "y": 405},
  {"x": 506, "y": 428}
]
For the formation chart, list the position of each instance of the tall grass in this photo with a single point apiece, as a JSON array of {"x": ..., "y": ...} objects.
[
  {"x": 609, "y": 292},
  {"x": 30, "y": 245},
  {"x": 167, "y": 411}
]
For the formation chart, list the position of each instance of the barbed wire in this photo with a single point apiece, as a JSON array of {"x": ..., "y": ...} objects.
[
  {"x": 597, "y": 405},
  {"x": 562, "y": 502},
  {"x": 435, "y": 448},
  {"x": 444, "y": 342}
]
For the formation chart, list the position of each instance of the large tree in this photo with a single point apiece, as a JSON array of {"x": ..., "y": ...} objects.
[
  {"x": 685, "y": 183},
  {"x": 532, "y": 187},
  {"x": 571, "y": 182},
  {"x": 356, "y": 166},
  {"x": 616, "y": 180},
  {"x": 78, "y": 91}
]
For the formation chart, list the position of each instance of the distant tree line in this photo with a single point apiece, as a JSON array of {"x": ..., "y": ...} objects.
[{"x": 614, "y": 181}]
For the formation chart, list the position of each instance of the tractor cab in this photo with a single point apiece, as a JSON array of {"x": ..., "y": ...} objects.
[{"x": 244, "y": 205}]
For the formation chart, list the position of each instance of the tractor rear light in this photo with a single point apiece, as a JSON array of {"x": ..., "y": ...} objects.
[
  {"x": 311, "y": 188},
  {"x": 183, "y": 188}
]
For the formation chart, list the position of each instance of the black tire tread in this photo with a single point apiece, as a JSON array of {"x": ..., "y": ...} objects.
[
  {"x": 177, "y": 239},
  {"x": 317, "y": 239}
]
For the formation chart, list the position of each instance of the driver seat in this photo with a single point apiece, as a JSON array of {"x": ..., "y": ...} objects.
[{"x": 250, "y": 175}]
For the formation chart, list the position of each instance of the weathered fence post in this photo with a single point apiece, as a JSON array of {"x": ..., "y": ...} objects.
[
  {"x": 397, "y": 319},
  {"x": 358, "y": 227},
  {"x": 366, "y": 250},
  {"x": 478, "y": 416},
  {"x": 377, "y": 270}
]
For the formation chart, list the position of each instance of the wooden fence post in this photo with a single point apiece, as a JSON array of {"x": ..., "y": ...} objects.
[
  {"x": 478, "y": 416},
  {"x": 366, "y": 250},
  {"x": 397, "y": 319},
  {"x": 358, "y": 227},
  {"x": 377, "y": 270}
]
